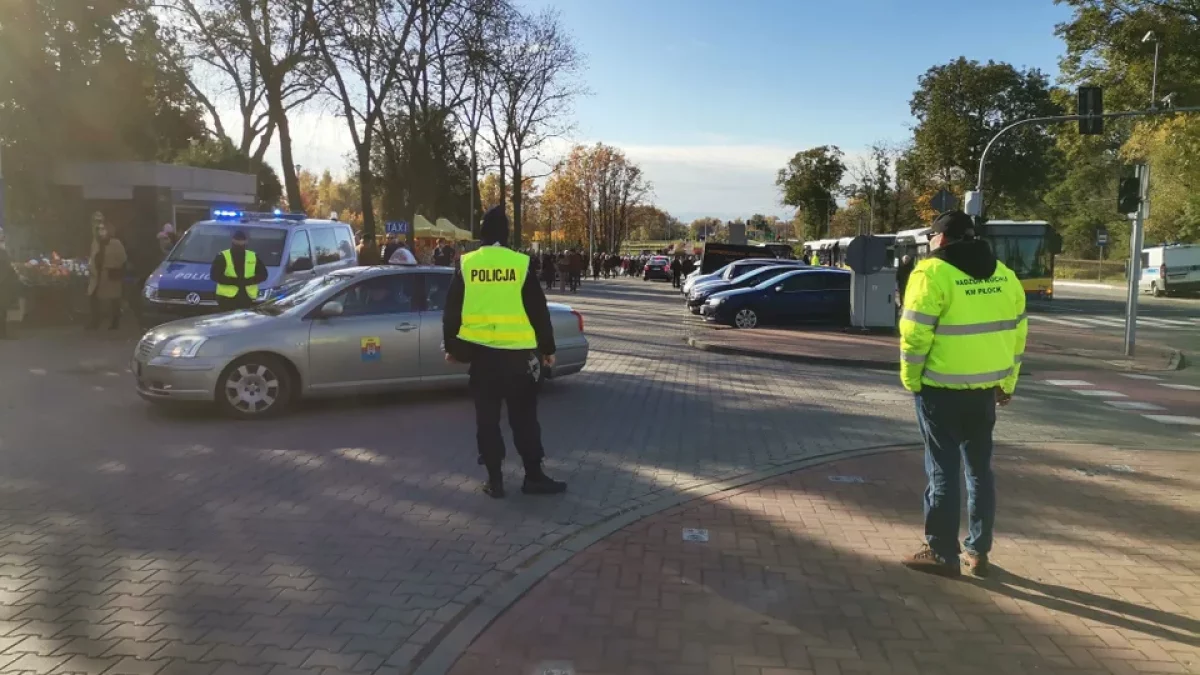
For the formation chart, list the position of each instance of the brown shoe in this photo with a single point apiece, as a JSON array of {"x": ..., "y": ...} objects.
[
  {"x": 976, "y": 564},
  {"x": 929, "y": 562}
]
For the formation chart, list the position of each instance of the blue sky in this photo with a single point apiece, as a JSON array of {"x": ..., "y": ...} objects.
[{"x": 712, "y": 97}]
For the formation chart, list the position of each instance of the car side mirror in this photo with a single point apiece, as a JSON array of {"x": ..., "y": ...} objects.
[
  {"x": 301, "y": 265},
  {"x": 779, "y": 289},
  {"x": 331, "y": 309}
]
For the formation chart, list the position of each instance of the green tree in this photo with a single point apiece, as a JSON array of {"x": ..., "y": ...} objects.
[
  {"x": 959, "y": 107},
  {"x": 809, "y": 182},
  {"x": 86, "y": 80}
]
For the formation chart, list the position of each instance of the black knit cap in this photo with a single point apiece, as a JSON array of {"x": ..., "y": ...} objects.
[
  {"x": 954, "y": 224},
  {"x": 495, "y": 227}
]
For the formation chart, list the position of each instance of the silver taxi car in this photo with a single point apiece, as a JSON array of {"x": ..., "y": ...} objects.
[{"x": 353, "y": 331}]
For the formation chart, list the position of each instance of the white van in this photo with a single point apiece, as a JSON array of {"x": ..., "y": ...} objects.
[{"x": 1170, "y": 269}]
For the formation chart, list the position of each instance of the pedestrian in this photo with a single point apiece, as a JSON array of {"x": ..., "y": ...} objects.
[
  {"x": 495, "y": 318},
  {"x": 391, "y": 243},
  {"x": 238, "y": 274},
  {"x": 575, "y": 269},
  {"x": 676, "y": 271},
  {"x": 962, "y": 334},
  {"x": 106, "y": 284},
  {"x": 10, "y": 287},
  {"x": 903, "y": 272},
  {"x": 167, "y": 239},
  {"x": 368, "y": 252},
  {"x": 443, "y": 255},
  {"x": 548, "y": 271}
]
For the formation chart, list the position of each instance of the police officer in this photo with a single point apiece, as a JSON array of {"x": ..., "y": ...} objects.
[
  {"x": 238, "y": 274},
  {"x": 495, "y": 317},
  {"x": 962, "y": 334}
]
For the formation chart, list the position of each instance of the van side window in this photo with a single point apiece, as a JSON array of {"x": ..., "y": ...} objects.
[
  {"x": 345, "y": 241},
  {"x": 325, "y": 246},
  {"x": 1145, "y": 260},
  {"x": 299, "y": 253}
]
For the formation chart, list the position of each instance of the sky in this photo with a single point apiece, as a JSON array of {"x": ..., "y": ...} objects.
[{"x": 712, "y": 97}]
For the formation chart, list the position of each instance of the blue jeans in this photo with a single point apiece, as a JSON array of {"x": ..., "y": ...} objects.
[{"x": 956, "y": 426}]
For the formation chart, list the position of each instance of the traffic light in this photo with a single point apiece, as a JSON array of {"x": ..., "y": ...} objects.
[
  {"x": 1090, "y": 105},
  {"x": 1128, "y": 195}
]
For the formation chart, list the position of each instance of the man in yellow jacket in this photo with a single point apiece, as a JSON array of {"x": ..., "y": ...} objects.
[
  {"x": 497, "y": 320},
  {"x": 962, "y": 334}
]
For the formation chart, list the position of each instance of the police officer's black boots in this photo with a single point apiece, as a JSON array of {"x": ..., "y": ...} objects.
[
  {"x": 494, "y": 487},
  {"x": 538, "y": 483}
]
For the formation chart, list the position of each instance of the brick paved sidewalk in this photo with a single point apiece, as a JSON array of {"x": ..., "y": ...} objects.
[{"x": 1098, "y": 571}]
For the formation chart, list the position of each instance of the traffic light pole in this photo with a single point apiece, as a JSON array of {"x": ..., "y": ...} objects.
[{"x": 1135, "y": 258}]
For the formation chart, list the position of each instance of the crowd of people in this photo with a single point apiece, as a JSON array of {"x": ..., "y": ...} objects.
[{"x": 566, "y": 269}]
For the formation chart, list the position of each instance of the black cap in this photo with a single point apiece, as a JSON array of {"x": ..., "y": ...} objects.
[
  {"x": 954, "y": 224},
  {"x": 239, "y": 235},
  {"x": 495, "y": 227}
]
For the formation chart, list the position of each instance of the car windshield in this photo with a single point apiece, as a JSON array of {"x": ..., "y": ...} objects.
[
  {"x": 202, "y": 243},
  {"x": 755, "y": 276},
  {"x": 298, "y": 293}
]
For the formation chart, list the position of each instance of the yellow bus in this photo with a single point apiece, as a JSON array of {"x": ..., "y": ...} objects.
[{"x": 1027, "y": 247}]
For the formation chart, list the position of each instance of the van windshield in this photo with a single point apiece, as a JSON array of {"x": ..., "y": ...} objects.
[{"x": 202, "y": 243}]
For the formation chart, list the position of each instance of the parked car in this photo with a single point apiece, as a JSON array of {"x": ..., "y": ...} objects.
[
  {"x": 360, "y": 330},
  {"x": 702, "y": 292},
  {"x": 802, "y": 295},
  {"x": 291, "y": 247},
  {"x": 657, "y": 267}
]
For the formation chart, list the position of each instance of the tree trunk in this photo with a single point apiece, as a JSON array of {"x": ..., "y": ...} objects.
[
  {"x": 503, "y": 196},
  {"x": 291, "y": 182},
  {"x": 517, "y": 199},
  {"x": 366, "y": 184}
]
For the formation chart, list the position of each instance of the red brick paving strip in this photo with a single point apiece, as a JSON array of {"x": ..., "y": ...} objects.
[{"x": 1099, "y": 572}]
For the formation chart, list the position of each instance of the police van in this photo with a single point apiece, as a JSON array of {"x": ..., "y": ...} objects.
[
  {"x": 1174, "y": 268},
  {"x": 290, "y": 246}
]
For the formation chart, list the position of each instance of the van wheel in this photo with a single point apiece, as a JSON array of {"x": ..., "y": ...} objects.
[
  {"x": 1155, "y": 290},
  {"x": 257, "y": 386}
]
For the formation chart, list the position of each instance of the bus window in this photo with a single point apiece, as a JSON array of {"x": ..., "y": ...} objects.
[{"x": 1026, "y": 256}]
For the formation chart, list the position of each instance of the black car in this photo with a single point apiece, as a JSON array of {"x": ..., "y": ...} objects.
[
  {"x": 658, "y": 267},
  {"x": 753, "y": 277},
  {"x": 798, "y": 296}
]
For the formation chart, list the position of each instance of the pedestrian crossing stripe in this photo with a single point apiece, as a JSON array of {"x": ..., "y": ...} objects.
[{"x": 1115, "y": 321}]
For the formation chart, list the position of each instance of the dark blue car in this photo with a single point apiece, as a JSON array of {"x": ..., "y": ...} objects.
[
  {"x": 702, "y": 292},
  {"x": 804, "y": 295}
]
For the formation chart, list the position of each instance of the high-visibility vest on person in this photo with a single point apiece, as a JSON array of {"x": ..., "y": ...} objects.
[
  {"x": 815, "y": 260},
  {"x": 493, "y": 313},
  {"x": 958, "y": 332},
  {"x": 229, "y": 291}
]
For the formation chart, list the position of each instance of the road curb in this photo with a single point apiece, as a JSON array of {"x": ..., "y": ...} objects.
[
  {"x": 862, "y": 364},
  {"x": 470, "y": 625}
]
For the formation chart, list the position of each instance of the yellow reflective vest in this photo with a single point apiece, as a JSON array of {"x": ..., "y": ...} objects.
[
  {"x": 958, "y": 332},
  {"x": 228, "y": 291},
  {"x": 493, "y": 313}
]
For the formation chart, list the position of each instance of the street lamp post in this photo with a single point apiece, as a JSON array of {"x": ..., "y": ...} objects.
[{"x": 1151, "y": 37}]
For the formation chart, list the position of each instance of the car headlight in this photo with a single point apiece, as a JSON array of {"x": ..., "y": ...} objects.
[
  {"x": 265, "y": 294},
  {"x": 184, "y": 347},
  {"x": 150, "y": 292},
  {"x": 715, "y": 301}
]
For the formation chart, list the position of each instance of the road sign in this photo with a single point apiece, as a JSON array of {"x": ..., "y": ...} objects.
[
  {"x": 1101, "y": 237},
  {"x": 396, "y": 227},
  {"x": 943, "y": 201}
]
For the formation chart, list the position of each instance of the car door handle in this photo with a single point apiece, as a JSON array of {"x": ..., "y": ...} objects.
[{"x": 405, "y": 327}]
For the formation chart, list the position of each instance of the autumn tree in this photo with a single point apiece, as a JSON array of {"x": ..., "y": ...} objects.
[
  {"x": 592, "y": 195},
  {"x": 810, "y": 182}
]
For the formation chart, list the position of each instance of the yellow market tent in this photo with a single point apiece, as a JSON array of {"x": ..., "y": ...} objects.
[{"x": 455, "y": 232}]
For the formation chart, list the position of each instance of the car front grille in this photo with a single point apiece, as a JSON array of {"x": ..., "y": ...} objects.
[
  {"x": 171, "y": 294},
  {"x": 145, "y": 347}
]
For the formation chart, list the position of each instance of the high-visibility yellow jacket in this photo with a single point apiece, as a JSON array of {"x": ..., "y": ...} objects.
[
  {"x": 493, "y": 312},
  {"x": 228, "y": 291},
  {"x": 959, "y": 332}
]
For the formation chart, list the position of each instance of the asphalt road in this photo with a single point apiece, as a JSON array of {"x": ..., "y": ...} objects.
[
  {"x": 350, "y": 536},
  {"x": 1171, "y": 321}
]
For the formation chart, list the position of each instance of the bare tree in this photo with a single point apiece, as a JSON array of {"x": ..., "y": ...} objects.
[
  {"x": 363, "y": 45},
  {"x": 535, "y": 71}
]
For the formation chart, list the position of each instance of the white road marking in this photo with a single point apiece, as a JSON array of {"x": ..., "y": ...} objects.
[
  {"x": 1067, "y": 383},
  {"x": 1134, "y": 405},
  {"x": 1181, "y": 387},
  {"x": 1140, "y": 377},
  {"x": 1169, "y": 322},
  {"x": 1175, "y": 419},
  {"x": 1099, "y": 392},
  {"x": 1107, "y": 322},
  {"x": 37, "y": 371},
  {"x": 1061, "y": 322}
]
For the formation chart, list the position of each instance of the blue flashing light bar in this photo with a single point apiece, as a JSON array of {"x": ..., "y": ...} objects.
[{"x": 246, "y": 216}]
